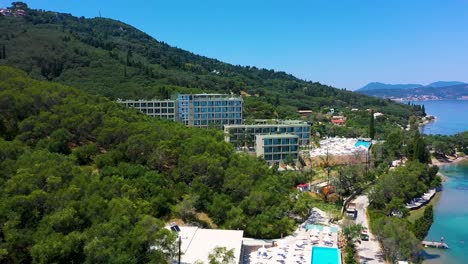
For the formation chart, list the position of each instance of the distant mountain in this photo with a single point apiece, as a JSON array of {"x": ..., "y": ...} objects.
[
  {"x": 444, "y": 84},
  {"x": 381, "y": 86},
  {"x": 384, "y": 86},
  {"x": 422, "y": 93}
]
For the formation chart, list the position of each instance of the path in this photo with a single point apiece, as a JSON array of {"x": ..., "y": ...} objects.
[{"x": 369, "y": 251}]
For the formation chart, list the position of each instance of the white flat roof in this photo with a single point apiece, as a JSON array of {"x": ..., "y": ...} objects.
[{"x": 197, "y": 243}]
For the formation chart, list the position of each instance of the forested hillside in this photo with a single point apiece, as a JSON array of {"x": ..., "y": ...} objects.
[
  {"x": 84, "y": 179},
  {"x": 110, "y": 58}
]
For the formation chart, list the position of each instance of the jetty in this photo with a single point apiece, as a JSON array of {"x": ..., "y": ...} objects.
[{"x": 435, "y": 244}]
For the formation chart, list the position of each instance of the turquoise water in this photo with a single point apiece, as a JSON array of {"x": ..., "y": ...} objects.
[
  {"x": 324, "y": 255},
  {"x": 451, "y": 218},
  {"x": 451, "y": 116},
  {"x": 363, "y": 143},
  {"x": 320, "y": 228},
  {"x": 451, "y": 212}
]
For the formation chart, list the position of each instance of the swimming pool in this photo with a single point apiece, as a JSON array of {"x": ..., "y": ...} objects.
[
  {"x": 325, "y": 255},
  {"x": 362, "y": 143},
  {"x": 320, "y": 228}
]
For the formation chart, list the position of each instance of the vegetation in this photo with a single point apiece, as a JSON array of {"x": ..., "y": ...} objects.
[
  {"x": 110, "y": 58},
  {"x": 372, "y": 126},
  {"x": 85, "y": 179},
  {"x": 221, "y": 255},
  {"x": 443, "y": 145},
  {"x": 352, "y": 233},
  {"x": 421, "y": 225}
]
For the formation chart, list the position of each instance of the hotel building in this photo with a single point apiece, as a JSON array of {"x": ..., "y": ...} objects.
[
  {"x": 243, "y": 134},
  {"x": 209, "y": 110},
  {"x": 277, "y": 148},
  {"x": 165, "y": 109}
]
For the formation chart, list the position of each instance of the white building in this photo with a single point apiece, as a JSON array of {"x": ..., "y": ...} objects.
[{"x": 198, "y": 243}]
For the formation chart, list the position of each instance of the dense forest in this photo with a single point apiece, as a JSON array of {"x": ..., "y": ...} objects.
[
  {"x": 111, "y": 58},
  {"x": 85, "y": 179}
]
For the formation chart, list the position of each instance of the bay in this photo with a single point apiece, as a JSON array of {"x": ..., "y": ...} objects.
[
  {"x": 451, "y": 116},
  {"x": 451, "y": 218},
  {"x": 451, "y": 211}
]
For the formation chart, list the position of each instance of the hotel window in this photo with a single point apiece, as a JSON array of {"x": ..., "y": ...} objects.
[
  {"x": 150, "y": 104},
  {"x": 163, "y": 104}
]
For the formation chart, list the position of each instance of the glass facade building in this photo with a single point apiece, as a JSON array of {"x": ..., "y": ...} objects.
[
  {"x": 244, "y": 135},
  {"x": 277, "y": 148},
  {"x": 209, "y": 110},
  {"x": 165, "y": 109}
]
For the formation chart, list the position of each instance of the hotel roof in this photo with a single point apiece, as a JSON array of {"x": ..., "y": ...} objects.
[{"x": 198, "y": 243}]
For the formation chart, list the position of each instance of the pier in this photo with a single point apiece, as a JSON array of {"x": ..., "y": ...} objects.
[{"x": 434, "y": 244}]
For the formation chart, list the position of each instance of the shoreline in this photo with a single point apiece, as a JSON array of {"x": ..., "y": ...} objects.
[{"x": 450, "y": 161}]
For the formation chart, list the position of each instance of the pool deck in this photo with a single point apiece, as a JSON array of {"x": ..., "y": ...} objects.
[{"x": 297, "y": 248}]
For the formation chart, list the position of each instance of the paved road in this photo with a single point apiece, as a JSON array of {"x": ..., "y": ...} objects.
[{"x": 369, "y": 251}]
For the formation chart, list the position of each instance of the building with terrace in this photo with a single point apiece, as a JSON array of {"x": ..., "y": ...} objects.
[
  {"x": 241, "y": 135},
  {"x": 165, "y": 109},
  {"x": 277, "y": 148},
  {"x": 209, "y": 110}
]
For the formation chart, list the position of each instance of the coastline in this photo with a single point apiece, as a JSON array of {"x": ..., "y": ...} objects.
[{"x": 449, "y": 161}]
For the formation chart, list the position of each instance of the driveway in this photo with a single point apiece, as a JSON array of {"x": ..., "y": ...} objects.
[{"x": 369, "y": 251}]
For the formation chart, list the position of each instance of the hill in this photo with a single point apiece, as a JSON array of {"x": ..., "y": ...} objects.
[
  {"x": 84, "y": 179},
  {"x": 110, "y": 58},
  {"x": 382, "y": 86},
  {"x": 444, "y": 84},
  {"x": 423, "y": 93}
]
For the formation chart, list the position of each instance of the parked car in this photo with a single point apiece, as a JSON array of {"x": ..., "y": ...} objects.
[{"x": 364, "y": 234}]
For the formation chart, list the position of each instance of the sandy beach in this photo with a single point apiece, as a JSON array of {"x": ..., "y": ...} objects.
[{"x": 449, "y": 160}]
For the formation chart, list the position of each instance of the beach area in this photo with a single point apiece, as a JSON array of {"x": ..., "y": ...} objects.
[{"x": 449, "y": 161}]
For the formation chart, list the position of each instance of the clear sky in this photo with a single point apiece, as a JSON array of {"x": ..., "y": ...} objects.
[{"x": 344, "y": 43}]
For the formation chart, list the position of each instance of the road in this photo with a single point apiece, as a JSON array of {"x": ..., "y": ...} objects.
[{"x": 369, "y": 251}]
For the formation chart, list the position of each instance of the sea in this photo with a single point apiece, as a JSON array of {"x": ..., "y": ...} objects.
[
  {"x": 451, "y": 116},
  {"x": 451, "y": 211}
]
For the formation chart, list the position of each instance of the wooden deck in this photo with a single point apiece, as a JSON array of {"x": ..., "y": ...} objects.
[{"x": 434, "y": 244}]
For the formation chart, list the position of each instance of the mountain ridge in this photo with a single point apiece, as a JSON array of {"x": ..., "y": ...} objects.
[
  {"x": 453, "y": 92},
  {"x": 382, "y": 86}
]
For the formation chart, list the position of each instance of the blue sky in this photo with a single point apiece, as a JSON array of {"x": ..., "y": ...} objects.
[{"x": 344, "y": 43}]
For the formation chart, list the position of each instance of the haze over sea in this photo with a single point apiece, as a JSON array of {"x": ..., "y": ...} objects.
[{"x": 451, "y": 212}]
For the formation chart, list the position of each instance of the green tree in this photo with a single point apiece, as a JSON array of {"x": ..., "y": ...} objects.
[
  {"x": 372, "y": 125},
  {"x": 221, "y": 255}
]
